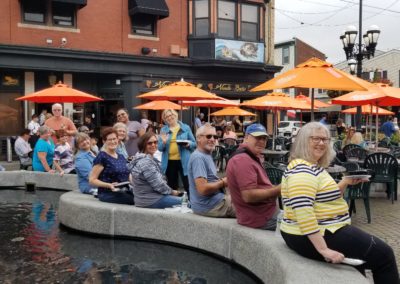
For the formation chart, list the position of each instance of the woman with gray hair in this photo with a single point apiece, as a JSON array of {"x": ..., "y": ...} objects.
[
  {"x": 43, "y": 153},
  {"x": 122, "y": 130},
  {"x": 316, "y": 221}
]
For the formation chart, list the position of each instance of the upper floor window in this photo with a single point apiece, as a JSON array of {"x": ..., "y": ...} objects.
[
  {"x": 143, "y": 24},
  {"x": 249, "y": 22},
  {"x": 226, "y": 19},
  {"x": 201, "y": 18},
  {"x": 50, "y": 12},
  {"x": 285, "y": 55}
]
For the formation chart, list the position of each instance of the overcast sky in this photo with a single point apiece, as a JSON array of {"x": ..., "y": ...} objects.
[{"x": 321, "y": 22}]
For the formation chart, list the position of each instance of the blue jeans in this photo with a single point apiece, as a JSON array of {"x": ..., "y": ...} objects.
[
  {"x": 122, "y": 197},
  {"x": 166, "y": 201}
]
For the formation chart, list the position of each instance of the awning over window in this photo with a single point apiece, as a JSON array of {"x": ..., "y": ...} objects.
[
  {"x": 81, "y": 3},
  {"x": 150, "y": 7}
]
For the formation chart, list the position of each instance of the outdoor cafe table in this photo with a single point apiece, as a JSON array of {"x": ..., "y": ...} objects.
[
  {"x": 271, "y": 155},
  {"x": 336, "y": 170}
]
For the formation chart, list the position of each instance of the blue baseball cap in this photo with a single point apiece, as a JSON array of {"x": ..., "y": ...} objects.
[{"x": 256, "y": 129}]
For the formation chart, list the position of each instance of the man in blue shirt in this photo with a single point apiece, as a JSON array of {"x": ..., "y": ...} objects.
[
  {"x": 207, "y": 195},
  {"x": 388, "y": 127}
]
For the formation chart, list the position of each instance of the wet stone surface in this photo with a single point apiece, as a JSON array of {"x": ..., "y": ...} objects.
[{"x": 34, "y": 249}]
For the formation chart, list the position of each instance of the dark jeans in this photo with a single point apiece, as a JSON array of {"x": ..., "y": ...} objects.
[
  {"x": 353, "y": 243},
  {"x": 174, "y": 170},
  {"x": 122, "y": 197}
]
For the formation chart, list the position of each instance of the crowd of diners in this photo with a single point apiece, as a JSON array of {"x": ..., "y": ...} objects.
[{"x": 135, "y": 166}]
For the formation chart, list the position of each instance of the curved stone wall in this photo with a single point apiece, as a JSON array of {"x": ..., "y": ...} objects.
[{"x": 261, "y": 252}]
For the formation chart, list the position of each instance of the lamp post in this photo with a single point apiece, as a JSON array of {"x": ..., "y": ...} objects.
[{"x": 355, "y": 53}]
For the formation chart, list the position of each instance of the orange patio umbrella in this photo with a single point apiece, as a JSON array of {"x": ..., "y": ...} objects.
[
  {"x": 368, "y": 109},
  {"x": 314, "y": 73},
  {"x": 378, "y": 95},
  {"x": 179, "y": 91},
  {"x": 59, "y": 93},
  {"x": 211, "y": 103},
  {"x": 159, "y": 105},
  {"x": 276, "y": 101},
  {"x": 232, "y": 111}
]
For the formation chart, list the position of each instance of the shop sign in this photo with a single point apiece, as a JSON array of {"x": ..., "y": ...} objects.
[
  {"x": 9, "y": 80},
  {"x": 207, "y": 86}
]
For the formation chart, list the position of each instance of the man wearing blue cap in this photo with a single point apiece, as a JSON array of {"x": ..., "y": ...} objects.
[{"x": 253, "y": 195}]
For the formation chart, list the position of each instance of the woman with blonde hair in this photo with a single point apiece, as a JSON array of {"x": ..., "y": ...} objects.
[
  {"x": 176, "y": 142},
  {"x": 316, "y": 220},
  {"x": 349, "y": 134},
  {"x": 358, "y": 139}
]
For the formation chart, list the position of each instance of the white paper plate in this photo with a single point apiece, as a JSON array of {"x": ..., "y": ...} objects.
[
  {"x": 353, "y": 261},
  {"x": 358, "y": 176},
  {"x": 182, "y": 141}
]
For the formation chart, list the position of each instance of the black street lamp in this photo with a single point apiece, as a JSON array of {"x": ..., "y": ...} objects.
[{"x": 355, "y": 53}]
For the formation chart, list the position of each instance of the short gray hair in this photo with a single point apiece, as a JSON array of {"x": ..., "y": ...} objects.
[
  {"x": 202, "y": 129},
  {"x": 120, "y": 125},
  {"x": 44, "y": 129},
  {"x": 300, "y": 148}
]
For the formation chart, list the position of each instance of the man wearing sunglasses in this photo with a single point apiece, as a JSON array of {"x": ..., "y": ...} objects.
[
  {"x": 253, "y": 195},
  {"x": 207, "y": 190}
]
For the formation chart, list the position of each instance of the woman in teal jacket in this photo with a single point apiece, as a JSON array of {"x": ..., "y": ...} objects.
[{"x": 176, "y": 142}]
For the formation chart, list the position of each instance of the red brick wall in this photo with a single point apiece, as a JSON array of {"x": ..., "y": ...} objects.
[
  {"x": 104, "y": 26},
  {"x": 304, "y": 52}
]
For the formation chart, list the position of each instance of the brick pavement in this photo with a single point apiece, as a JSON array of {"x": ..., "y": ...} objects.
[{"x": 385, "y": 222}]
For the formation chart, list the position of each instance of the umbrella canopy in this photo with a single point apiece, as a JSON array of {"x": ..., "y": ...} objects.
[
  {"x": 317, "y": 103},
  {"x": 276, "y": 101},
  {"x": 378, "y": 94},
  {"x": 179, "y": 91},
  {"x": 233, "y": 111},
  {"x": 211, "y": 103},
  {"x": 59, "y": 93},
  {"x": 314, "y": 73},
  {"x": 159, "y": 105},
  {"x": 368, "y": 109}
]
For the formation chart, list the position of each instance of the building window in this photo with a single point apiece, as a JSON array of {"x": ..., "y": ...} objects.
[
  {"x": 201, "y": 18},
  {"x": 226, "y": 19},
  {"x": 63, "y": 14},
  {"x": 144, "y": 24},
  {"x": 34, "y": 11},
  {"x": 49, "y": 12},
  {"x": 249, "y": 30},
  {"x": 285, "y": 55}
]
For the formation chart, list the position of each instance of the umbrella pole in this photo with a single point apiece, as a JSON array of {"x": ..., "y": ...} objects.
[
  {"x": 376, "y": 129},
  {"x": 181, "y": 103},
  {"x": 312, "y": 104},
  {"x": 209, "y": 114}
]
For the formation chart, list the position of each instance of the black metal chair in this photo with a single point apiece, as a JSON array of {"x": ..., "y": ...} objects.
[
  {"x": 385, "y": 167},
  {"x": 218, "y": 155},
  {"x": 358, "y": 191},
  {"x": 350, "y": 166},
  {"x": 346, "y": 149},
  {"x": 275, "y": 176},
  {"x": 337, "y": 146}
]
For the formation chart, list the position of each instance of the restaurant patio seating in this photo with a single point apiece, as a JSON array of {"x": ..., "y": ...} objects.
[
  {"x": 385, "y": 167},
  {"x": 337, "y": 146},
  {"x": 358, "y": 191},
  {"x": 357, "y": 155}
]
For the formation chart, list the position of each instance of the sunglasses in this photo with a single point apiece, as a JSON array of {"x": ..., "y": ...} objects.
[
  {"x": 152, "y": 143},
  {"x": 209, "y": 136}
]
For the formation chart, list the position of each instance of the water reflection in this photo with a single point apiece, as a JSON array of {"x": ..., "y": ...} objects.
[{"x": 35, "y": 250}]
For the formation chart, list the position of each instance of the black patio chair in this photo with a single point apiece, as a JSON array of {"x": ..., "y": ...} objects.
[
  {"x": 337, "y": 146},
  {"x": 218, "y": 156},
  {"x": 385, "y": 167},
  {"x": 358, "y": 191},
  {"x": 346, "y": 149},
  {"x": 275, "y": 176}
]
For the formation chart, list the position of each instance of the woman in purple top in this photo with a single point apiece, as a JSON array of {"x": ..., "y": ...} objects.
[{"x": 109, "y": 169}]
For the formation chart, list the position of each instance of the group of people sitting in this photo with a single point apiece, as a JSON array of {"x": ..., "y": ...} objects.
[{"x": 316, "y": 221}]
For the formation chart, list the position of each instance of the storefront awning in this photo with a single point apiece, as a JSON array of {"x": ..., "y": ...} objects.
[
  {"x": 150, "y": 7},
  {"x": 81, "y": 3}
]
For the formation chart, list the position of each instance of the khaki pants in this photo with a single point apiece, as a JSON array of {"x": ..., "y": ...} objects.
[{"x": 223, "y": 209}]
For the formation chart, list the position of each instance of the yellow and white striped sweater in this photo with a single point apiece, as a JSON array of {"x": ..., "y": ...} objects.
[{"x": 312, "y": 200}]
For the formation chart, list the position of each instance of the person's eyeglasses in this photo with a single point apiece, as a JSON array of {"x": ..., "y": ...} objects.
[
  {"x": 317, "y": 140},
  {"x": 121, "y": 114},
  {"x": 209, "y": 136},
  {"x": 152, "y": 143},
  {"x": 168, "y": 116}
]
